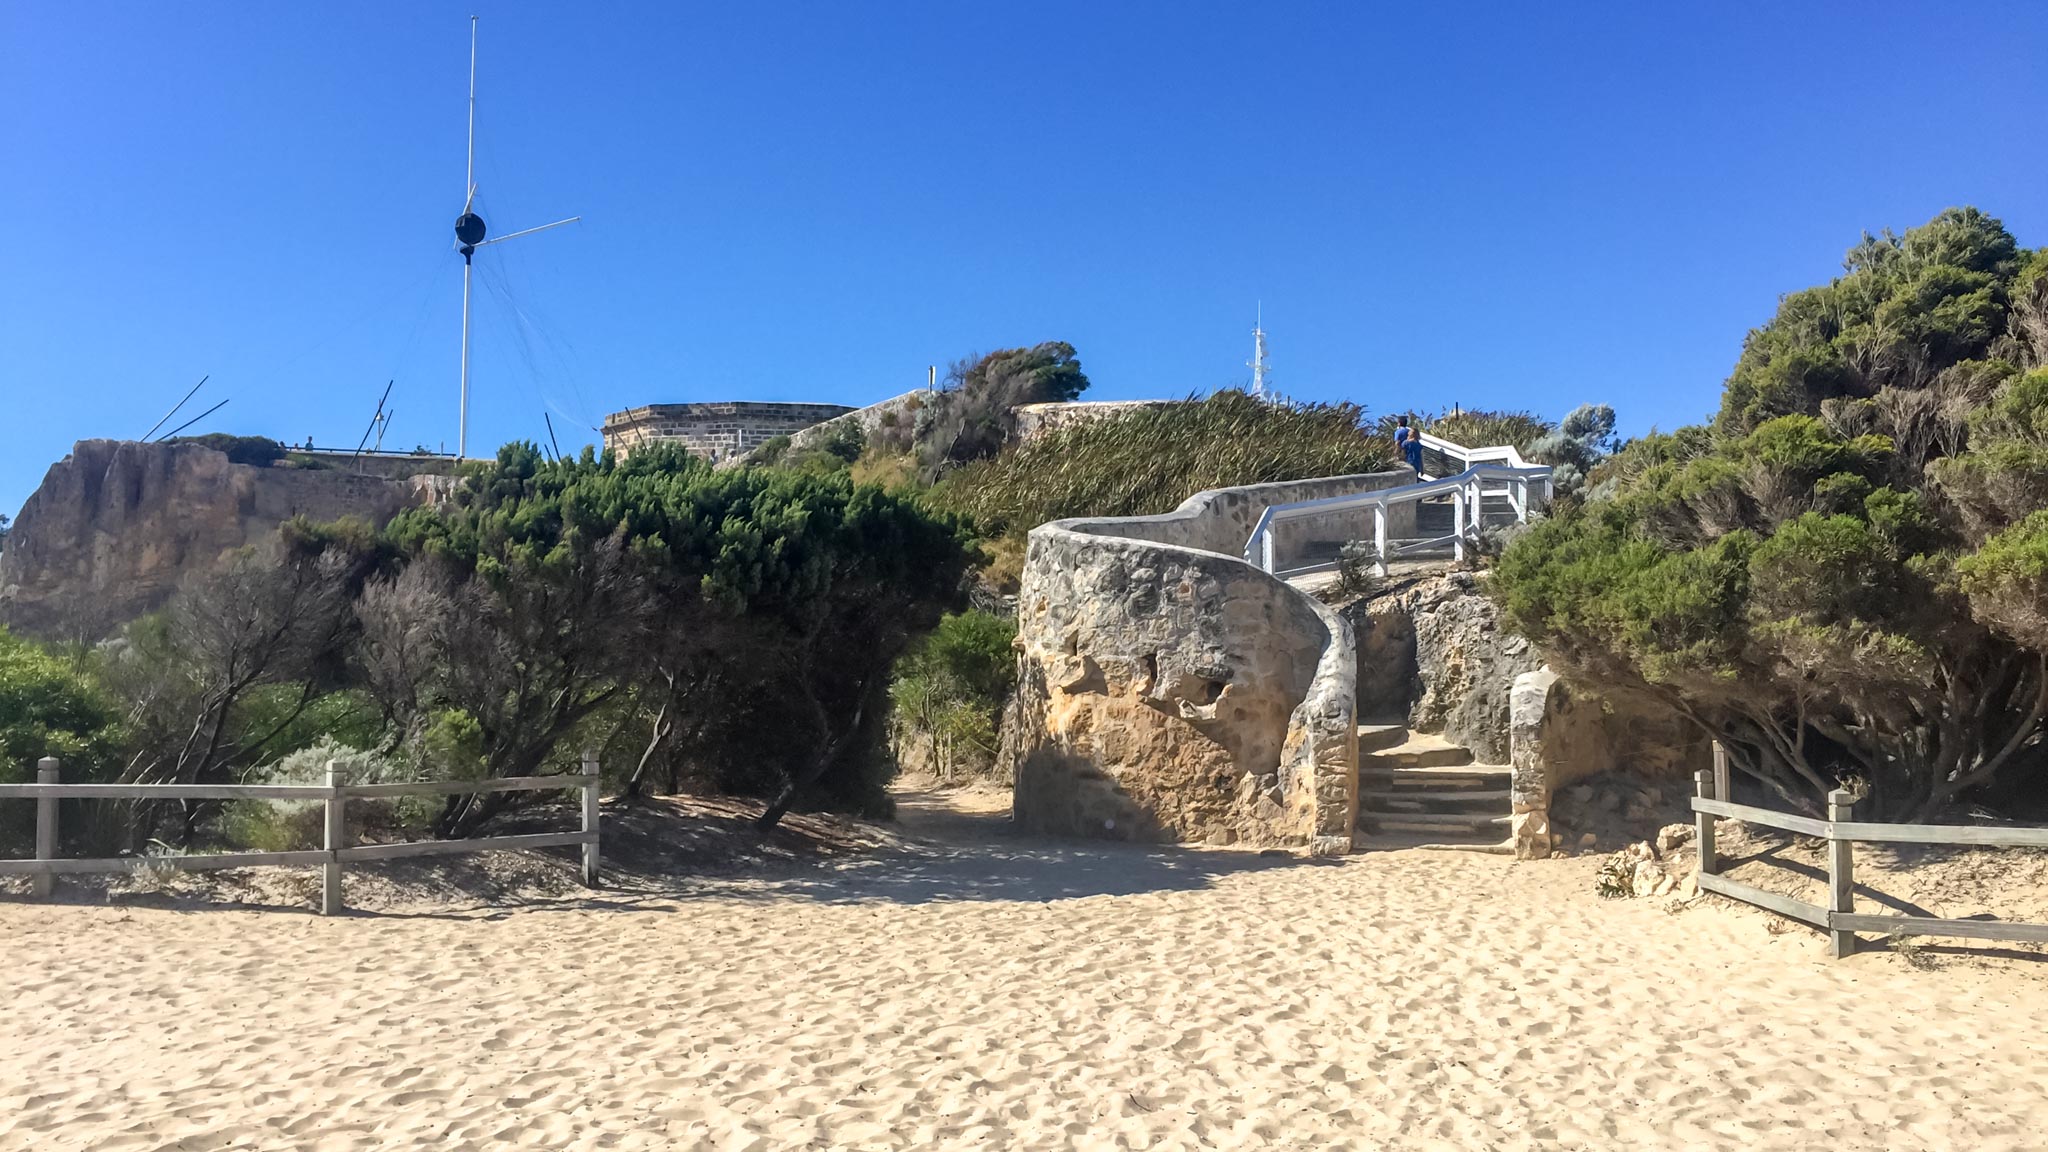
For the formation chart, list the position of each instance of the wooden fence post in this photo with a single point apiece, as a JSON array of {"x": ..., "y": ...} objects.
[
  {"x": 1723, "y": 788},
  {"x": 590, "y": 818},
  {"x": 1703, "y": 822},
  {"x": 335, "y": 840},
  {"x": 44, "y": 884},
  {"x": 1841, "y": 874}
]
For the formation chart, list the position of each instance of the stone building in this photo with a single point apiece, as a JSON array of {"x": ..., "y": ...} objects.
[{"x": 718, "y": 430}]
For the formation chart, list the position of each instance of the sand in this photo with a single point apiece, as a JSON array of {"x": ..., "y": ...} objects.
[{"x": 1012, "y": 994}]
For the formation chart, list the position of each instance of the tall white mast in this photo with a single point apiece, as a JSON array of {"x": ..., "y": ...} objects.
[
  {"x": 469, "y": 236},
  {"x": 468, "y": 201},
  {"x": 1258, "y": 363}
]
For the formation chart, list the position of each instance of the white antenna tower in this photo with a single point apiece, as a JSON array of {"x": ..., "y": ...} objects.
[
  {"x": 469, "y": 236},
  {"x": 1258, "y": 363}
]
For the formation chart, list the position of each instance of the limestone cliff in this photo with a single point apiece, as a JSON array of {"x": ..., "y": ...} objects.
[{"x": 117, "y": 523}]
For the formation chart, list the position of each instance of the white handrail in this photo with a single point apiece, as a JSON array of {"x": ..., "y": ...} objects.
[
  {"x": 1499, "y": 454},
  {"x": 1483, "y": 464}
]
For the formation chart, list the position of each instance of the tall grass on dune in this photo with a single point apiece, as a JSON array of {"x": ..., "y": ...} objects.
[
  {"x": 1148, "y": 460},
  {"x": 1474, "y": 428}
]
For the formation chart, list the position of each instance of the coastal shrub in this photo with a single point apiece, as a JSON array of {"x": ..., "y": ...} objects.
[
  {"x": 234, "y": 672},
  {"x": 1148, "y": 460},
  {"x": 288, "y": 825},
  {"x": 948, "y": 692},
  {"x": 1476, "y": 428},
  {"x": 260, "y": 451},
  {"x": 971, "y": 417},
  {"x": 546, "y": 590},
  {"x": 1840, "y": 578},
  {"x": 1357, "y": 569},
  {"x": 49, "y": 706}
]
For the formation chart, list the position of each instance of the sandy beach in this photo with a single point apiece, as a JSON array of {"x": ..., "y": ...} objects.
[{"x": 1011, "y": 994}]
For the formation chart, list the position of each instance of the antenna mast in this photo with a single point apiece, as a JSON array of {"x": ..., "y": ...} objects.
[
  {"x": 469, "y": 236},
  {"x": 468, "y": 247},
  {"x": 1258, "y": 363}
]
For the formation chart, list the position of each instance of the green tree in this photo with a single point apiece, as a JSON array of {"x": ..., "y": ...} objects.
[
  {"x": 972, "y": 418},
  {"x": 1841, "y": 577},
  {"x": 948, "y": 691},
  {"x": 49, "y": 707},
  {"x": 770, "y": 602}
]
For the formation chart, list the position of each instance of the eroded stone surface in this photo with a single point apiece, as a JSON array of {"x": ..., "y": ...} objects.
[
  {"x": 1529, "y": 706},
  {"x": 1168, "y": 691},
  {"x": 116, "y": 524}
]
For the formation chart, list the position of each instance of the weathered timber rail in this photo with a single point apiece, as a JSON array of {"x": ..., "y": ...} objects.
[
  {"x": 335, "y": 851},
  {"x": 1839, "y": 918}
]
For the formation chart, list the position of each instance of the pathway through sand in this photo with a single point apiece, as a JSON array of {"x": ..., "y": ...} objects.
[{"x": 1009, "y": 994}]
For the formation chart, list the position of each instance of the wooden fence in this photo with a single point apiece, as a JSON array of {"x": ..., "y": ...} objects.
[
  {"x": 1839, "y": 919},
  {"x": 335, "y": 851}
]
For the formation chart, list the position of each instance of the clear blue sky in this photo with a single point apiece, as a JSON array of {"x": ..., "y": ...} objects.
[{"x": 1528, "y": 207}]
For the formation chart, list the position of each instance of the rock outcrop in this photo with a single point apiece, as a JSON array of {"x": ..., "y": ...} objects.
[
  {"x": 116, "y": 524},
  {"x": 1434, "y": 657},
  {"x": 1433, "y": 654},
  {"x": 1170, "y": 691}
]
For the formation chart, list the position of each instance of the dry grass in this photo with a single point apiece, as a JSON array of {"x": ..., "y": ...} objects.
[{"x": 1150, "y": 459}]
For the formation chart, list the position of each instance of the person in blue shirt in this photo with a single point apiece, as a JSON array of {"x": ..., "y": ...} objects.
[{"x": 1410, "y": 443}]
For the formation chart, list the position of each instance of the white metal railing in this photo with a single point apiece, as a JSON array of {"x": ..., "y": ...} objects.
[
  {"x": 1464, "y": 457},
  {"x": 1499, "y": 473}
]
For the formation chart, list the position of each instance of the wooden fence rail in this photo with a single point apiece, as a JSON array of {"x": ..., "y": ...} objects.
[
  {"x": 334, "y": 852},
  {"x": 1839, "y": 918}
]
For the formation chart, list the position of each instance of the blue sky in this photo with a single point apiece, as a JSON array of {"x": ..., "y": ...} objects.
[{"x": 1527, "y": 207}]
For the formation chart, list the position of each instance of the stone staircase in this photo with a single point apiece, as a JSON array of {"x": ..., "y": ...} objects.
[{"x": 1422, "y": 791}]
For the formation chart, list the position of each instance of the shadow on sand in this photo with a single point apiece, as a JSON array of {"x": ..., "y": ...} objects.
[
  {"x": 952, "y": 853},
  {"x": 941, "y": 850}
]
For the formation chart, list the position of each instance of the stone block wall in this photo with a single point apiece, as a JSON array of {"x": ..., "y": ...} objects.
[
  {"x": 897, "y": 411},
  {"x": 717, "y": 430},
  {"x": 1035, "y": 420},
  {"x": 1169, "y": 691}
]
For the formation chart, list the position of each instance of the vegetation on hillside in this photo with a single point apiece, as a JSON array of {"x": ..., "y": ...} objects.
[
  {"x": 972, "y": 417},
  {"x": 260, "y": 451},
  {"x": 731, "y": 630},
  {"x": 1148, "y": 460},
  {"x": 1841, "y": 577}
]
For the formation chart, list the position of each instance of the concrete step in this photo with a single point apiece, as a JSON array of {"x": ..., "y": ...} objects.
[
  {"x": 1435, "y": 800},
  {"x": 1424, "y": 821},
  {"x": 1380, "y": 737},
  {"x": 1493, "y": 776},
  {"x": 1419, "y": 751},
  {"x": 1426, "y": 842}
]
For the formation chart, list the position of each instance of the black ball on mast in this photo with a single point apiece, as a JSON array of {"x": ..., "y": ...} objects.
[{"x": 469, "y": 232}]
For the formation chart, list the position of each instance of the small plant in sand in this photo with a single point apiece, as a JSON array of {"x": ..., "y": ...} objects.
[{"x": 1616, "y": 879}]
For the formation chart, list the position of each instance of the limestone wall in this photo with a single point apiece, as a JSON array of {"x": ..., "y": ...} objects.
[
  {"x": 1170, "y": 691},
  {"x": 719, "y": 429},
  {"x": 897, "y": 411},
  {"x": 1035, "y": 420},
  {"x": 1562, "y": 733}
]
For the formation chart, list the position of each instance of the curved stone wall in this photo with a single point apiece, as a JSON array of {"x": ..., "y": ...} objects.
[{"x": 1169, "y": 691}]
